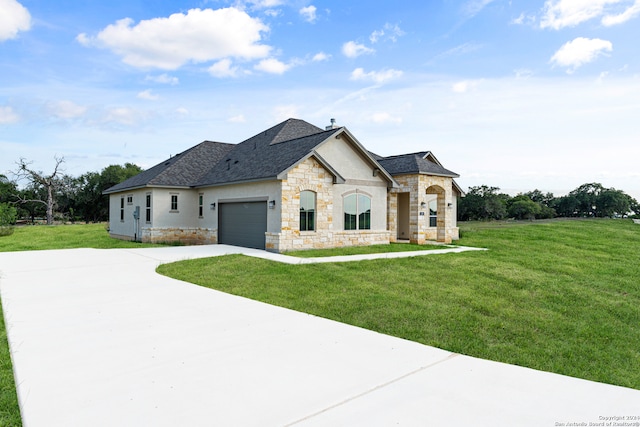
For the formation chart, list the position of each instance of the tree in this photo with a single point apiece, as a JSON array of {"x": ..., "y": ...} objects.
[
  {"x": 7, "y": 219},
  {"x": 522, "y": 207},
  {"x": 482, "y": 203},
  {"x": 50, "y": 183}
]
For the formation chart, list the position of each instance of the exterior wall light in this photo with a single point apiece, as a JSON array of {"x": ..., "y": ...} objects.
[
  {"x": 423, "y": 205},
  {"x": 213, "y": 206},
  {"x": 272, "y": 204}
]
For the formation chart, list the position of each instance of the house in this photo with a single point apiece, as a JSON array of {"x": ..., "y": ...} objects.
[{"x": 293, "y": 186}]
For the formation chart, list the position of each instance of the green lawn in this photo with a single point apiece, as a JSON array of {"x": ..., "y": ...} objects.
[
  {"x": 359, "y": 250},
  {"x": 39, "y": 237},
  {"x": 560, "y": 296}
]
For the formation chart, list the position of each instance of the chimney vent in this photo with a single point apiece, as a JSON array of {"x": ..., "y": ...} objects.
[{"x": 332, "y": 125}]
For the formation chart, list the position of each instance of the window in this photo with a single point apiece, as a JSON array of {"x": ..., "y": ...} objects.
[
  {"x": 433, "y": 213},
  {"x": 122, "y": 209},
  {"x": 130, "y": 199},
  {"x": 307, "y": 211},
  {"x": 148, "y": 208},
  {"x": 357, "y": 212},
  {"x": 200, "y": 205},
  {"x": 174, "y": 202}
]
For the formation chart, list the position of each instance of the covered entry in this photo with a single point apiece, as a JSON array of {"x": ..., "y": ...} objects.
[{"x": 243, "y": 224}]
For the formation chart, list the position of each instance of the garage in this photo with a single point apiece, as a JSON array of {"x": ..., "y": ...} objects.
[{"x": 243, "y": 224}]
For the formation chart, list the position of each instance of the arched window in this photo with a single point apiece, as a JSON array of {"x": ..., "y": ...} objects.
[
  {"x": 307, "y": 211},
  {"x": 357, "y": 212}
]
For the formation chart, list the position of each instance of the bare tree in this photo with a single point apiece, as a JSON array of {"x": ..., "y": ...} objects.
[{"x": 49, "y": 182}]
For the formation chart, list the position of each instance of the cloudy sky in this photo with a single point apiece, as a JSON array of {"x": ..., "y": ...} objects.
[{"x": 514, "y": 94}]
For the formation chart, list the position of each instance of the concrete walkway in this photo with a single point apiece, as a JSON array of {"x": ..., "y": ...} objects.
[{"x": 99, "y": 339}]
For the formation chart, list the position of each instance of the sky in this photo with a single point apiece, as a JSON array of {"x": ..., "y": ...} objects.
[{"x": 520, "y": 95}]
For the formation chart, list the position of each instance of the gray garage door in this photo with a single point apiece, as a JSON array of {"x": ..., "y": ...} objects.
[{"x": 243, "y": 224}]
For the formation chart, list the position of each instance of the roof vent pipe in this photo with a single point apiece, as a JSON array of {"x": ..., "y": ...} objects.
[{"x": 332, "y": 125}]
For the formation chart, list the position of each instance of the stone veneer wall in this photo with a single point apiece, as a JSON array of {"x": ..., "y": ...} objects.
[
  {"x": 310, "y": 175},
  {"x": 186, "y": 235},
  {"x": 420, "y": 232}
]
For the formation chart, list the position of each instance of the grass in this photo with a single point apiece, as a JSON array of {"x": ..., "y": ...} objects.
[
  {"x": 9, "y": 410},
  {"x": 360, "y": 250},
  {"x": 41, "y": 237},
  {"x": 559, "y": 296}
]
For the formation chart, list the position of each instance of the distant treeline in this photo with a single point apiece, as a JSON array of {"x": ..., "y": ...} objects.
[
  {"x": 74, "y": 198},
  {"x": 588, "y": 200}
]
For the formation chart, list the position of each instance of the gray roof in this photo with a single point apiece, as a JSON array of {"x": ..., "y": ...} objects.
[
  {"x": 267, "y": 154},
  {"x": 423, "y": 163},
  {"x": 263, "y": 156},
  {"x": 181, "y": 170}
]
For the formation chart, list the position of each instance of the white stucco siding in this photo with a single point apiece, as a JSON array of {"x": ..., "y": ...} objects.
[
  {"x": 253, "y": 191},
  {"x": 350, "y": 164},
  {"x": 185, "y": 216},
  {"x": 128, "y": 227}
]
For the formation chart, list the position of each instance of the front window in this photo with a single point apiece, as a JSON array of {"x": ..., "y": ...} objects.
[
  {"x": 433, "y": 213},
  {"x": 200, "y": 204},
  {"x": 174, "y": 202},
  {"x": 357, "y": 212},
  {"x": 122, "y": 208},
  {"x": 307, "y": 211},
  {"x": 148, "y": 209}
]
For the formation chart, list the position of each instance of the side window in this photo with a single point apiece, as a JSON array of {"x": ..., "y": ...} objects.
[
  {"x": 307, "y": 211},
  {"x": 200, "y": 205},
  {"x": 433, "y": 213},
  {"x": 148, "y": 208},
  {"x": 130, "y": 199},
  {"x": 122, "y": 208},
  {"x": 174, "y": 202},
  {"x": 357, "y": 212}
]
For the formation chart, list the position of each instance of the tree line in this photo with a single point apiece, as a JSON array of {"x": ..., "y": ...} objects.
[
  {"x": 588, "y": 200},
  {"x": 56, "y": 196}
]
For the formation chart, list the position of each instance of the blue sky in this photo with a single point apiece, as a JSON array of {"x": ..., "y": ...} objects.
[{"x": 514, "y": 94}]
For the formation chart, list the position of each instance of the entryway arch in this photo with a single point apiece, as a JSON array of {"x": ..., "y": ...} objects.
[{"x": 441, "y": 211}]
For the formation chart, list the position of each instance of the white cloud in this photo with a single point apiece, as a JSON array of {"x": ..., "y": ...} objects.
[
  {"x": 163, "y": 79},
  {"x": 123, "y": 116},
  {"x": 558, "y": 14},
  {"x": 198, "y": 36},
  {"x": 388, "y": 32},
  {"x": 283, "y": 112},
  {"x": 272, "y": 66},
  {"x": 237, "y": 119},
  {"x": 309, "y": 13},
  {"x": 580, "y": 51},
  {"x": 320, "y": 56},
  {"x": 464, "y": 86},
  {"x": 474, "y": 7},
  {"x": 182, "y": 111},
  {"x": 378, "y": 77},
  {"x": 148, "y": 95},
  {"x": 620, "y": 18},
  {"x": 384, "y": 117},
  {"x": 14, "y": 18},
  {"x": 223, "y": 69},
  {"x": 8, "y": 116},
  {"x": 66, "y": 110},
  {"x": 352, "y": 49}
]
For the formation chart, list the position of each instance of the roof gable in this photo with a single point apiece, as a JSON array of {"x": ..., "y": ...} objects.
[{"x": 421, "y": 163}]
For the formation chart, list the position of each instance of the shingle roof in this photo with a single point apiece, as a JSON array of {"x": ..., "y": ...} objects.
[
  {"x": 267, "y": 154},
  {"x": 413, "y": 163},
  {"x": 181, "y": 170},
  {"x": 263, "y": 156}
]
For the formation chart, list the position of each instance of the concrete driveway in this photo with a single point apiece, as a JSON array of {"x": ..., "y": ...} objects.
[{"x": 99, "y": 339}]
